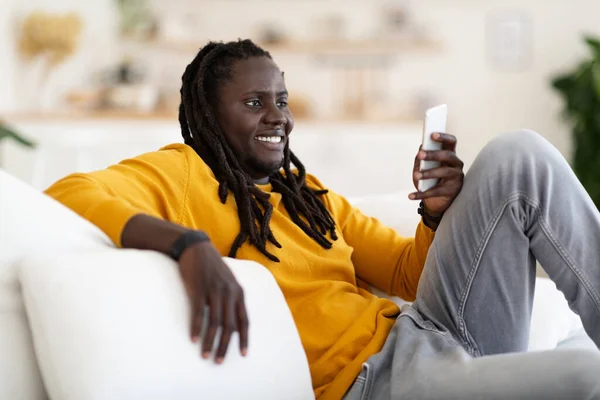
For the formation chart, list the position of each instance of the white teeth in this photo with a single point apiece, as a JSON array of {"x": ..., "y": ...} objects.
[{"x": 271, "y": 139}]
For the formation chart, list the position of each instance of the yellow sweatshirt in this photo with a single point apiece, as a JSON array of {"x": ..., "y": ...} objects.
[{"x": 340, "y": 324}]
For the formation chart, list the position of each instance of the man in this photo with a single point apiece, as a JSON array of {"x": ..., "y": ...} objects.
[{"x": 231, "y": 190}]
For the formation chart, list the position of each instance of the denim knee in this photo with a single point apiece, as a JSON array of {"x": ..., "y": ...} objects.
[
  {"x": 582, "y": 374},
  {"x": 512, "y": 146},
  {"x": 520, "y": 154}
]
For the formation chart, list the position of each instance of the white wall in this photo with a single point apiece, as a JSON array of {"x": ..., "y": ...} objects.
[{"x": 482, "y": 101}]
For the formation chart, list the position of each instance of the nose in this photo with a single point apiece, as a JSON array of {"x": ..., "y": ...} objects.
[{"x": 274, "y": 116}]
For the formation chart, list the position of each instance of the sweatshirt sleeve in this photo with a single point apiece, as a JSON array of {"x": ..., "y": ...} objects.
[
  {"x": 154, "y": 183},
  {"x": 385, "y": 259},
  {"x": 381, "y": 257}
]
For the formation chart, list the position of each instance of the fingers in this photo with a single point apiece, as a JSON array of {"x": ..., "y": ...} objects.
[
  {"x": 446, "y": 157},
  {"x": 243, "y": 324},
  {"x": 228, "y": 312},
  {"x": 450, "y": 173},
  {"x": 417, "y": 165},
  {"x": 450, "y": 182},
  {"x": 214, "y": 290},
  {"x": 229, "y": 326},
  {"x": 447, "y": 188},
  {"x": 417, "y": 160},
  {"x": 448, "y": 141},
  {"x": 216, "y": 316},
  {"x": 197, "y": 317},
  {"x": 438, "y": 173},
  {"x": 436, "y": 191}
]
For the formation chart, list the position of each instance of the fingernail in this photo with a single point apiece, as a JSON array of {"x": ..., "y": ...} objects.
[
  {"x": 419, "y": 175},
  {"x": 205, "y": 355},
  {"x": 219, "y": 360},
  {"x": 194, "y": 339},
  {"x": 411, "y": 196},
  {"x": 244, "y": 352},
  {"x": 436, "y": 135},
  {"x": 422, "y": 154}
]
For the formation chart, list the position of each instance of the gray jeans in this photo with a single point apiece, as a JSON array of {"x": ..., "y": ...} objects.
[{"x": 466, "y": 334}]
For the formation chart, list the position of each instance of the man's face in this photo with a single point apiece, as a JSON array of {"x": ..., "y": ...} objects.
[{"x": 254, "y": 116}]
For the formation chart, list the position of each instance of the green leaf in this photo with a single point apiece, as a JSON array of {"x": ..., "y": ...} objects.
[
  {"x": 563, "y": 83},
  {"x": 594, "y": 44},
  {"x": 580, "y": 91},
  {"x": 596, "y": 79},
  {"x": 8, "y": 133}
]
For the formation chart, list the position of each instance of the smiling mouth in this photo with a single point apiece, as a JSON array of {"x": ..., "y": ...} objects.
[{"x": 269, "y": 139}]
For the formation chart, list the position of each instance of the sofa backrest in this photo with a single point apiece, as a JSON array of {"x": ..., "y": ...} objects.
[
  {"x": 394, "y": 210},
  {"x": 30, "y": 223}
]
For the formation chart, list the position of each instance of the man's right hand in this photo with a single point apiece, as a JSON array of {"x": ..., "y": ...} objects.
[{"x": 213, "y": 289}]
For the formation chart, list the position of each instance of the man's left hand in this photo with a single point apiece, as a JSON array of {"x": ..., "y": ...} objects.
[{"x": 450, "y": 173}]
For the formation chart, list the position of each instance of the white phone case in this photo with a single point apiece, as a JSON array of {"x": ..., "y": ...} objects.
[{"x": 435, "y": 121}]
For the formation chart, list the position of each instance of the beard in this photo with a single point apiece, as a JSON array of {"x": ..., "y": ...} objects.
[{"x": 265, "y": 168}]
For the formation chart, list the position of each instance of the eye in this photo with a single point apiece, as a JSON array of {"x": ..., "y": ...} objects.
[
  {"x": 253, "y": 103},
  {"x": 282, "y": 104}
]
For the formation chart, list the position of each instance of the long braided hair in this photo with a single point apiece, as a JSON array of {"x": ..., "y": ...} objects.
[{"x": 212, "y": 67}]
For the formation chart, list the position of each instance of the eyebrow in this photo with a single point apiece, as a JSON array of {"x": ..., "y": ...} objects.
[{"x": 265, "y": 92}]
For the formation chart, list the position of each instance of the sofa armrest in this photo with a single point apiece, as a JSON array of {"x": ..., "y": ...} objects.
[{"x": 115, "y": 324}]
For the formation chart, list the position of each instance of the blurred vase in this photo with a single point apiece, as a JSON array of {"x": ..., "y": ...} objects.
[
  {"x": 137, "y": 97},
  {"x": 396, "y": 19},
  {"x": 34, "y": 86}
]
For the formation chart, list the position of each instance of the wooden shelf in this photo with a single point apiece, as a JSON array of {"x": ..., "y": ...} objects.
[
  {"x": 75, "y": 115},
  {"x": 385, "y": 46},
  {"x": 166, "y": 116}
]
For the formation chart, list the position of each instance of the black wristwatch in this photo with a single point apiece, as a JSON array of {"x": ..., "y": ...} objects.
[
  {"x": 186, "y": 240},
  {"x": 423, "y": 213}
]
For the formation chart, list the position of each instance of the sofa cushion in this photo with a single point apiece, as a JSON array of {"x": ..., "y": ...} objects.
[
  {"x": 114, "y": 324},
  {"x": 553, "y": 324},
  {"x": 30, "y": 222},
  {"x": 394, "y": 210}
]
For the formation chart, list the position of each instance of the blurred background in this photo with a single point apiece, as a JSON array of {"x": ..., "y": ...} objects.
[{"x": 92, "y": 82}]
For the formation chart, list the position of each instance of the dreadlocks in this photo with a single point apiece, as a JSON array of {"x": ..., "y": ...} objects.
[{"x": 212, "y": 67}]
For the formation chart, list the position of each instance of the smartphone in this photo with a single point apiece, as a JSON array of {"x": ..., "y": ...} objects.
[{"x": 435, "y": 121}]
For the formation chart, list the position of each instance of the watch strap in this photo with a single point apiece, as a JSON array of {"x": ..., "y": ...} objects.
[
  {"x": 423, "y": 213},
  {"x": 186, "y": 240}
]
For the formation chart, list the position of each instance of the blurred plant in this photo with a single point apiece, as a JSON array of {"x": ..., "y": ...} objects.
[
  {"x": 580, "y": 90},
  {"x": 136, "y": 18},
  {"x": 46, "y": 41},
  {"x": 52, "y": 36},
  {"x": 124, "y": 73},
  {"x": 8, "y": 133}
]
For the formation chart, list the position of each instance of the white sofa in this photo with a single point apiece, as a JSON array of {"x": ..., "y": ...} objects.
[{"x": 80, "y": 320}]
